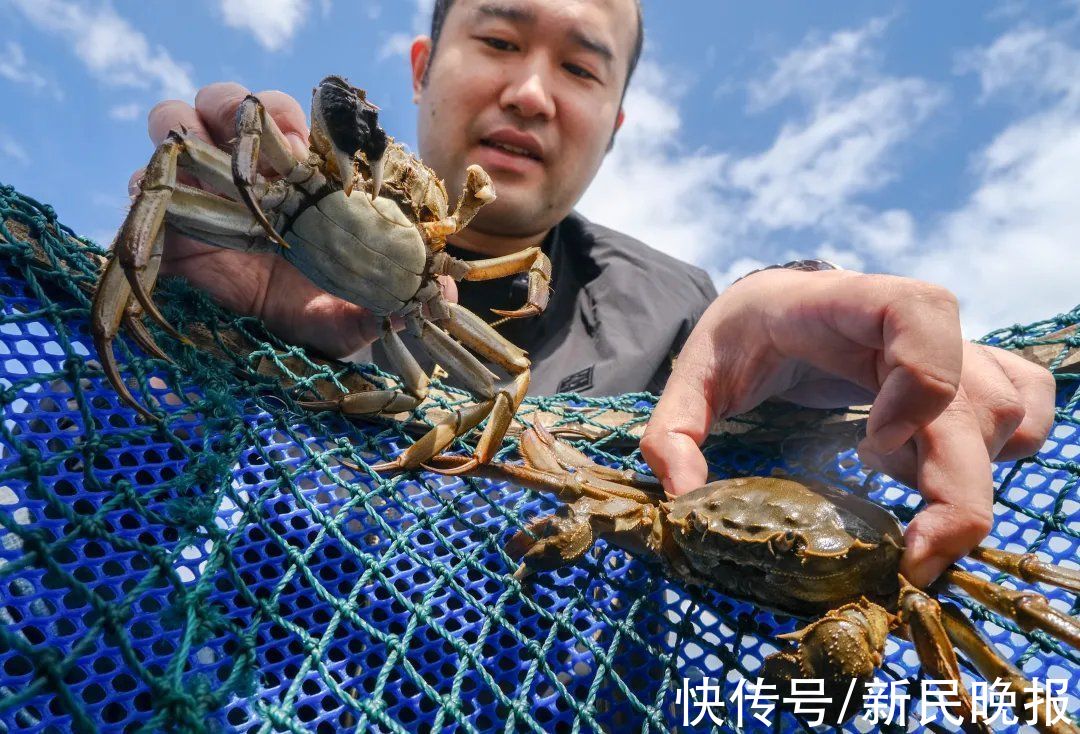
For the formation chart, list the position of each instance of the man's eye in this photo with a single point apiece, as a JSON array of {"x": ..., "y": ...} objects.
[
  {"x": 499, "y": 44},
  {"x": 579, "y": 71}
]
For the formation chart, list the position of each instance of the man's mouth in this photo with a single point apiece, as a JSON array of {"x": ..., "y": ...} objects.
[{"x": 512, "y": 149}]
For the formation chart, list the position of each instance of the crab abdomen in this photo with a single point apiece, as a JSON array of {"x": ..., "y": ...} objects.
[
  {"x": 786, "y": 546},
  {"x": 365, "y": 252}
]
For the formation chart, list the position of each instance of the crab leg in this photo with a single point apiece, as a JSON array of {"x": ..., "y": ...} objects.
[
  {"x": 477, "y": 377},
  {"x": 1028, "y": 609},
  {"x": 555, "y": 467},
  {"x": 256, "y": 131},
  {"x": 110, "y": 310},
  {"x": 993, "y": 667},
  {"x": 476, "y": 334},
  {"x": 1028, "y": 567},
  {"x": 531, "y": 259},
  {"x": 922, "y": 615},
  {"x": 405, "y": 365},
  {"x": 478, "y": 191},
  {"x": 123, "y": 294},
  {"x": 544, "y": 452},
  {"x": 137, "y": 241}
]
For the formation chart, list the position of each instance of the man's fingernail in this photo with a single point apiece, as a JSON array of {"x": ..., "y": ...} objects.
[
  {"x": 921, "y": 566},
  {"x": 867, "y": 453},
  {"x": 299, "y": 145},
  {"x": 890, "y": 437}
]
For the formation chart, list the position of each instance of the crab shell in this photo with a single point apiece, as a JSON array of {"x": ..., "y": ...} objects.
[
  {"x": 795, "y": 549},
  {"x": 379, "y": 258}
]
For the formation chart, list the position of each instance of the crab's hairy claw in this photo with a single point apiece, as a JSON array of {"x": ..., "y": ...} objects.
[
  {"x": 846, "y": 644},
  {"x": 552, "y": 542},
  {"x": 344, "y": 125}
]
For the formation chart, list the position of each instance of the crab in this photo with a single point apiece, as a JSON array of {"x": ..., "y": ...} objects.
[
  {"x": 812, "y": 552},
  {"x": 360, "y": 217}
]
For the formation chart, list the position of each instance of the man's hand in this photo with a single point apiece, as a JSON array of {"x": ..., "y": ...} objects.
[
  {"x": 942, "y": 408},
  {"x": 261, "y": 285}
]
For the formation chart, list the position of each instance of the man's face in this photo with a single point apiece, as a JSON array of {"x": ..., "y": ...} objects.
[{"x": 531, "y": 91}]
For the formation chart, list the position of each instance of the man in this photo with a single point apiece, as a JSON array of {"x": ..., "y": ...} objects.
[{"x": 532, "y": 90}]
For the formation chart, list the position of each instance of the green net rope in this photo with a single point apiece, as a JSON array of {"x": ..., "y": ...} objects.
[{"x": 224, "y": 570}]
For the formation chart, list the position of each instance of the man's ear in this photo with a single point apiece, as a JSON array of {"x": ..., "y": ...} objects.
[
  {"x": 419, "y": 56},
  {"x": 618, "y": 123}
]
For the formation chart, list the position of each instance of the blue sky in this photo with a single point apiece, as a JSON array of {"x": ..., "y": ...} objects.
[{"x": 934, "y": 140}]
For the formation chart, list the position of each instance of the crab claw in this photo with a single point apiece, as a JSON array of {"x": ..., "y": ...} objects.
[
  {"x": 376, "y": 167},
  {"x": 344, "y": 125},
  {"x": 345, "y": 167}
]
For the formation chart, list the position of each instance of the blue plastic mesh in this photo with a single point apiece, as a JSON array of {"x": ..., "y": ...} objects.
[{"x": 225, "y": 572}]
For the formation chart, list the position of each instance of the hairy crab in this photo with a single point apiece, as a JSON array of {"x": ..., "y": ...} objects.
[
  {"x": 812, "y": 552},
  {"x": 375, "y": 240}
]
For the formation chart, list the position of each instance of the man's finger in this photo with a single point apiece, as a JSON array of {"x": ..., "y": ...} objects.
[
  {"x": 895, "y": 336},
  {"x": 172, "y": 114},
  {"x": 1036, "y": 388},
  {"x": 955, "y": 479},
  {"x": 290, "y": 117},
  {"x": 920, "y": 366},
  {"x": 994, "y": 399},
  {"x": 216, "y": 106},
  {"x": 686, "y": 411}
]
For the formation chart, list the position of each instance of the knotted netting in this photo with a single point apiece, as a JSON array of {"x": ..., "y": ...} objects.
[{"x": 224, "y": 570}]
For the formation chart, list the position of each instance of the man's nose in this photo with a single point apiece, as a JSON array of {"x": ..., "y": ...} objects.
[{"x": 528, "y": 95}]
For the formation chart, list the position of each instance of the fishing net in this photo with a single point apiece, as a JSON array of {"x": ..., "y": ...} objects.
[{"x": 223, "y": 569}]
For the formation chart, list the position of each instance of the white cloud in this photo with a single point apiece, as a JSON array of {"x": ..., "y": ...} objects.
[
  {"x": 398, "y": 44},
  {"x": 725, "y": 212},
  {"x": 11, "y": 148},
  {"x": 272, "y": 22},
  {"x": 13, "y": 66},
  {"x": 817, "y": 70},
  {"x": 815, "y": 169},
  {"x": 110, "y": 47},
  {"x": 655, "y": 190},
  {"x": 129, "y": 111},
  {"x": 1010, "y": 251}
]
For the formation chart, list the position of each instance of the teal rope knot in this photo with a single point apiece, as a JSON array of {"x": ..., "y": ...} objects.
[
  {"x": 31, "y": 457},
  {"x": 179, "y": 706},
  {"x": 191, "y": 513},
  {"x": 210, "y": 470},
  {"x": 24, "y": 256},
  {"x": 47, "y": 662},
  {"x": 94, "y": 525},
  {"x": 114, "y": 617},
  {"x": 93, "y": 446},
  {"x": 73, "y": 366},
  {"x": 34, "y": 541}
]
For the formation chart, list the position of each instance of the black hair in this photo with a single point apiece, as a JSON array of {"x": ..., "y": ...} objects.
[{"x": 442, "y": 8}]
